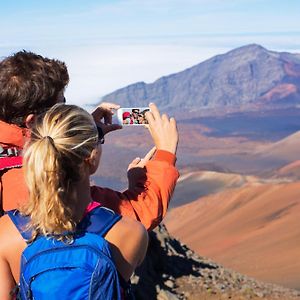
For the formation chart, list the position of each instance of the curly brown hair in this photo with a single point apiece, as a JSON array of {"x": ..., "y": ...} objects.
[{"x": 29, "y": 83}]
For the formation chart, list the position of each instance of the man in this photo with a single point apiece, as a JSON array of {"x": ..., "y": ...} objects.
[
  {"x": 135, "y": 113},
  {"x": 29, "y": 85}
]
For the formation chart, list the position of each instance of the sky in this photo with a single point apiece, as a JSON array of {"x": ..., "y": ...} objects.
[{"x": 109, "y": 44}]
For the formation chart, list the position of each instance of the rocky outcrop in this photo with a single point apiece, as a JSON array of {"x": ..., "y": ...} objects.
[{"x": 171, "y": 271}]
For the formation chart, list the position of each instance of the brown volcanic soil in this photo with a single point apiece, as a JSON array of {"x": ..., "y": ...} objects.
[
  {"x": 192, "y": 185},
  {"x": 254, "y": 230}
]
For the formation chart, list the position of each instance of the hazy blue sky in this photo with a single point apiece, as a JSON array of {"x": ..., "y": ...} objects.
[{"x": 108, "y": 44}]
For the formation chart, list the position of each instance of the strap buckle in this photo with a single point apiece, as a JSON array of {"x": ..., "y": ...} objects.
[{"x": 9, "y": 152}]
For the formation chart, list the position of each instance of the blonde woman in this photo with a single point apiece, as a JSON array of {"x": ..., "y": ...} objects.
[{"x": 64, "y": 150}]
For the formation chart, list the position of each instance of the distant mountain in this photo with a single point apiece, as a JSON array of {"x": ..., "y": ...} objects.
[{"x": 249, "y": 77}]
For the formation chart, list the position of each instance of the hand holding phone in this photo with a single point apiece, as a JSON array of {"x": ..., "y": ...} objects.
[
  {"x": 103, "y": 117},
  {"x": 162, "y": 129}
]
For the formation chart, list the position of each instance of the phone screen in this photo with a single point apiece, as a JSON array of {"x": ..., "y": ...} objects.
[{"x": 132, "y": 116}]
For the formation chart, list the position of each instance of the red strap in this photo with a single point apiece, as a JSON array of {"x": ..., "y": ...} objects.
[
  {"x": 10, "y": 162},
  {"x": 90, "y": 207}
]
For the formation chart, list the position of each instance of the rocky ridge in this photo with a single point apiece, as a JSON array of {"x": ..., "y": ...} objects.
[{"x": 172, "y": 271}]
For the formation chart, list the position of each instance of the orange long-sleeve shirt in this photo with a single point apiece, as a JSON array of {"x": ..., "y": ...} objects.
[{"x": 146, "y": 199}]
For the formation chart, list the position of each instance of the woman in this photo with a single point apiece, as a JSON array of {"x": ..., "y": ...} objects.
[{"x": 64, "y": 150}]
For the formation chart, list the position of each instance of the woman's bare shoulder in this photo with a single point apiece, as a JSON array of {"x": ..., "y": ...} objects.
[
  {"x": 127, "y": 235},
  {"x": 6, "y": 226},
  {"x": 8, "y": 233},
  {"x": 128, "y": 227}
]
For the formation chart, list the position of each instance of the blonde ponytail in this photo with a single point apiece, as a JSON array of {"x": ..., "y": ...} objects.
[{"x": 53, "y": 159}]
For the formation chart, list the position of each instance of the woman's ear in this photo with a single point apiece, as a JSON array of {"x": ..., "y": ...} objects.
[{"x": 93, "y": 161}]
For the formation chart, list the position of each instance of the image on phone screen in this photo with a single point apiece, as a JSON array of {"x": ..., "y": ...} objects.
[{"x": 132, "y": 116}]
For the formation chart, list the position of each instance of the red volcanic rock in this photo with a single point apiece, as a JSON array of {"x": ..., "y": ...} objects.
[{"x": 279, "y": 92}]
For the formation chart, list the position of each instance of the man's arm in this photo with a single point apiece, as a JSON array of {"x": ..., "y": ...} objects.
[
  {"x": 150, "y": 190},
  {"x": 151, "y": 183}
]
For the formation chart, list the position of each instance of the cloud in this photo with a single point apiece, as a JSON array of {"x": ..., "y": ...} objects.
[
  {"x": 100, "y": 69},
  {"x": 112, "y": 43}
]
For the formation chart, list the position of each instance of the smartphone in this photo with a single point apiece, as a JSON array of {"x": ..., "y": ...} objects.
[{"x": 132, "y": 116}]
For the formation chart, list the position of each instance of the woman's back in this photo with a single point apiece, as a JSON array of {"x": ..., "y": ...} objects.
[
  {"x": 125, "y": 239},
  {"x": 63, "y": 152}
]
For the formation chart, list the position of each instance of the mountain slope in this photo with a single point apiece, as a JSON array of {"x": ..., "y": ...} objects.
[
  {"x": 286, "y": 149},
  {"x": 254, "y": 230},
  {"x": 171, "y": 271},
  {"x": 193, "y": 185},
  {"x": 250, "y": 75},
  {"x": 290, "y": 171}
]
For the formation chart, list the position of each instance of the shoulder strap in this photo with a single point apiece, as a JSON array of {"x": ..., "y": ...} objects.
[
  {"x": 21, "y": 223},
  {"x": 100, "y": 220},
  {"x": 1, "y": 192},
  {"x": 9, "y": 162}
]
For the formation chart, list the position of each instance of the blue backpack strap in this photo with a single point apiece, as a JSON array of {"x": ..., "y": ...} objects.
[
  {"x": 100, "y": 220},
  {"x": 21, "y": 223}
]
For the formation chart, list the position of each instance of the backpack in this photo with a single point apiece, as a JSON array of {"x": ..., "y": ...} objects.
[{"x": 84, "y": 269}]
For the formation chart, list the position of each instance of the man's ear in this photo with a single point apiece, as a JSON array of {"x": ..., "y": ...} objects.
[{"x": 29, "y": 120}]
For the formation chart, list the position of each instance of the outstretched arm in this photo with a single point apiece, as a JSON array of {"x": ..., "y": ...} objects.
[{"x": 151, "y": 182}]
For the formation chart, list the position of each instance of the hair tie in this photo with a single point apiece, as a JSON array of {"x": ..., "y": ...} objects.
[{"x": 47, "y": 137}]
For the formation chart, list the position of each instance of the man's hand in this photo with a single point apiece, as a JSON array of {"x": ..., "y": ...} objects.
[
  {"x": 141, "y": 162},
  {"x": 103, "y": 117},
  {"x": 162, "y": 129},
  {"x": 136, "y": 172}
]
